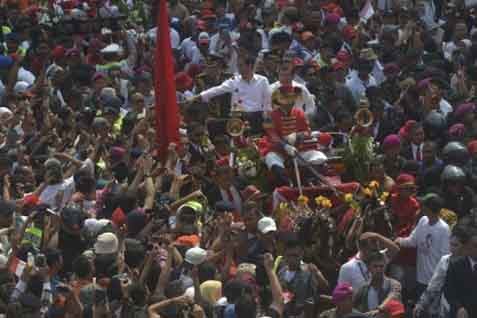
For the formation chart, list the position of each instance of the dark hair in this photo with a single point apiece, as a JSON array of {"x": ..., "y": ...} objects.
[
  {"x": 293, "y": 242},
  {"x": 53, "y": 256},
  {"x": 465, "y": 230},
  {"x": 376, "y": 257},
  {"x": 105, "y": 265},
  {"x": 134, "y": 254},
  {"x": 207, "y": 271},
  {"x": 82, "y": 267},
  {"x": 245, "y": 307}
]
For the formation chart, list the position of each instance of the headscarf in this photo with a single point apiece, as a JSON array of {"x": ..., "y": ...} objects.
[{"x": 211, "y": 291}]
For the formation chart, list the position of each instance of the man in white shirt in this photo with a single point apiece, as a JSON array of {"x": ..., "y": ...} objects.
[
  {"x": 430, "y": 237},
  {"x": 306, "y": 101},
  {"x": 355, "y": 272},
  {"x": 362, "y": 80},
  {"x": 250, "y": 93}
]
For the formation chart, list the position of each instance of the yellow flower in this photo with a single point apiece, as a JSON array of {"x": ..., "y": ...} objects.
[
  {"x": 348, "y": 197},
  {"x": 326, "y": 204},
  {"x": 319, "y": 200},
  {"x": 374, "y": 185},
  {"x": 368, "y": 192},
  {"x": 384, "y": 196},
  {"x": 303, "y": 199}
]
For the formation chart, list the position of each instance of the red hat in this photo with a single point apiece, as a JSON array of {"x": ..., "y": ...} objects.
[
  {"x": 391, "y": 141},
  {"x": 404, "y": 130},
  {"x": 252, "y": 193},
  {"x": 394, "y": 308},
  {"x": 194, "y": 69},
  {"x": 349, "y": 32},
  {"x": 222, "y": 162},
  {"x": 341, "y": 292},
  {"x": 391, "y": 68},
  {"x": 58, "y": 52},
  {"x": 325, "y": 139},
  {"x": 184, "y": 81},
  {"x": 405, "y": 179},
  {"x": 98, "y": 76},
  {"x": 208, "y": 14},
  {"x": 472, "y": 146},
  {"x": 118, "y": 218},
  {"x": 332, "y": 18},
  {"x": 188, "y": 240}
]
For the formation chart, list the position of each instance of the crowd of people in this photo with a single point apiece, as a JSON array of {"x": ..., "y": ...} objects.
[{"x": 325, "y": 165}]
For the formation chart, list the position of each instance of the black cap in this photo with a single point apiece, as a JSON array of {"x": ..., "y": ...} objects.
[{"x": 433, "y": 201}]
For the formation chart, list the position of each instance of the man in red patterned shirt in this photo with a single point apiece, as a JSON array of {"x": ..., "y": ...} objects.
[{"x": 289, "y": 134}]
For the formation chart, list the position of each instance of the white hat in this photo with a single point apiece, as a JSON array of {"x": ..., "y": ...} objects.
[
  {"x": 112, "y": 48},
  {"x": 315, "y": 157},
  {"x": 5, "y": 113},
  {"x": 21, "y": 87},
  {"x": 94, "y": 225},
  {"x": 108, "y": 92},
  {"x": 106, "y": 31},
  {"x": 266, "y": 224},
  {"x": 195, "y": 255},
  {"x": 106, "y": 243},
  {"x": 203, "y": 37}
]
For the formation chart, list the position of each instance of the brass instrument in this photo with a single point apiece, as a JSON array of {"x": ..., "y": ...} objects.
[
  {"x": 364, "y": 117},
  {"x": 235, "y": 126}
]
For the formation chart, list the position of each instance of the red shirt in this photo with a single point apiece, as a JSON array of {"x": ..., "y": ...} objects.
[{"x": 405, "y": 212}]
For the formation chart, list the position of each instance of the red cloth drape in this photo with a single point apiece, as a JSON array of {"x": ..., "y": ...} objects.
[{"x": 167, "y": 111}]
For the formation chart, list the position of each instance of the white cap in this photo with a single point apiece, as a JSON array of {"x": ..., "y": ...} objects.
[
  {"x": 94, "y": 225},
  {"x": 21, "y": 87},
  {"x": 195, "y": 255},
  {"x": 266, "y": 224},
  {"x": 112, "y": 48},
  {"x": 203, "y": 37},
  {"x": 106, "y": 243},
  {"x": 5, "y": 113},
  {"x": 315, "y": 157}
]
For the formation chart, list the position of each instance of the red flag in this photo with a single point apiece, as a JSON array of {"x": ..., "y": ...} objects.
[{"x": 167, "y": 111}]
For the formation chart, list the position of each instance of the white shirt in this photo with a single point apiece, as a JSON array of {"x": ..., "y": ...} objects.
[
  {"x": 187, "y": 47},
  {"x": 354, "y": 272},
  {"x": 174, "y": 35},
  {"x": 444, "y": 107},
  {"x": 48, "y": 195},
  {"x": 251, "y": 96},
  {"x": 358, "y": 86},
  {"x": 432, "y": 242},
  {"x": 306, "y": 101}
]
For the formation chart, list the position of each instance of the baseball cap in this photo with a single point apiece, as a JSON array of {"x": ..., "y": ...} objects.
[
  {"x": 433, "y": 201},
  {"x": 106, "y": 243},
  {"x": 266, "y": 224},
  {"x": 195, "y": 255},
  {"x": 203, "y": 38}
]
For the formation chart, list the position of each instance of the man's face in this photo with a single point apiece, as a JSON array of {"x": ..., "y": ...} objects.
[
  {"x": 250, "y": 220},
  {"x": 428, "y": 152},
  {"x": 293, "y": 257},
  {"x": 244, "y": 68},
  {"x": 470, "y": 249},
  {"x": 455, "y": 246},
  {"x": 286, "y": 73},
  {"x": 418, "y": 136},
  {"x": 376, "y": 269}
]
